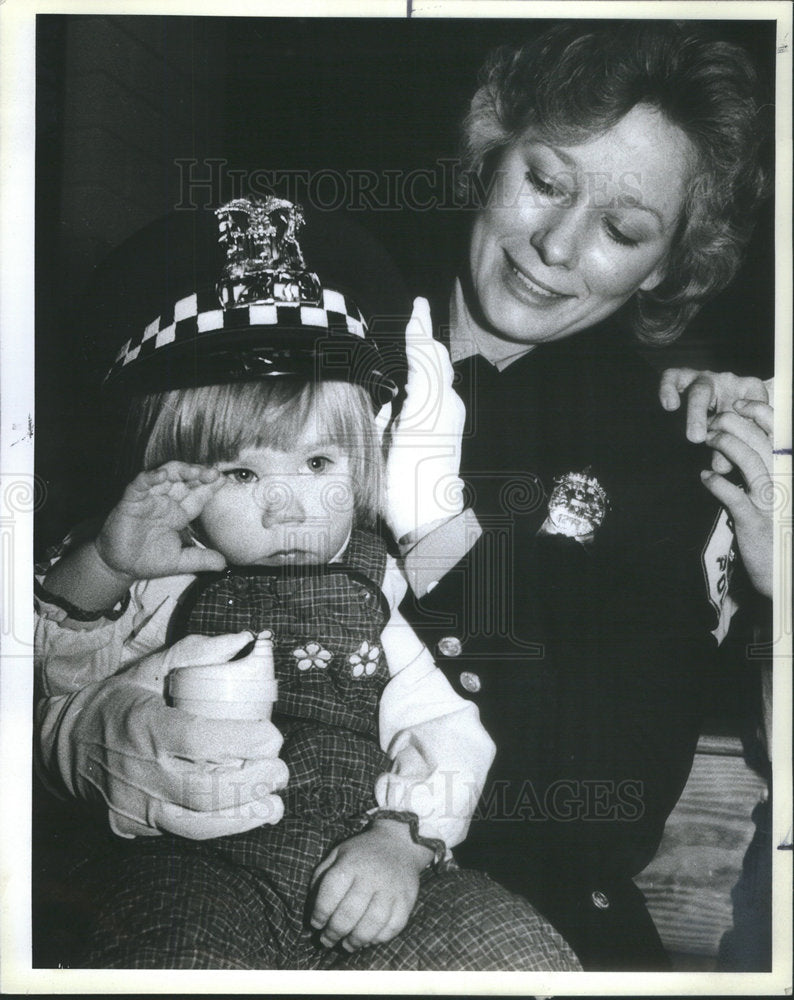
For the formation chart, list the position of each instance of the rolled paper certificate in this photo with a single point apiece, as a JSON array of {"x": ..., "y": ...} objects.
[{"x": 240, "y": 689}]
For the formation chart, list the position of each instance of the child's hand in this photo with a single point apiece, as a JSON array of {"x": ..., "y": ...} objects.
[
  {"x": 141, "y": 537},
  {"x": 368, "y": 886},
  {"x": 744, "y": 439},
  {"x": 706, "y": 393}
]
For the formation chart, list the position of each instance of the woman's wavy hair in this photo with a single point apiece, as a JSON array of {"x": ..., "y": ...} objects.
[{"x": 578, "y": 80}]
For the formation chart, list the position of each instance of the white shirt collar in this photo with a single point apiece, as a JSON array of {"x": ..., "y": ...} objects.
[{"x": 463, "y": 340}]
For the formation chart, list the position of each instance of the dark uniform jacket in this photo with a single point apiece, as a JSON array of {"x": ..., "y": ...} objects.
[{"x": 590, "y": 663}]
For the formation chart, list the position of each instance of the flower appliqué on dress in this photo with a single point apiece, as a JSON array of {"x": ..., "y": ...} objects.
[
  {"x": 364, "y": 661},
  {"x": 312, "y": 655}
]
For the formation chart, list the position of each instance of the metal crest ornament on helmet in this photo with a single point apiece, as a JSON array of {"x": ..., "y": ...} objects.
[{"x": 264, "y": 261}]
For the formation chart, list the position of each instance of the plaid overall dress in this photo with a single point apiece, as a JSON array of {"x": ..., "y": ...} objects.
[
  {"x": 243, "y": 901},
  {"x": 326, "y": 623}
]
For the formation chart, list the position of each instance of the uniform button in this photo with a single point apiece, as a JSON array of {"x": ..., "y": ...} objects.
[
  {"x": 600, "y": 900},
  {"x": 450, "y": 645},
  {"x": 470, "y": 682}
]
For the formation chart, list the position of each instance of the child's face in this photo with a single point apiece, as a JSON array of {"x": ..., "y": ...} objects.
[{"x": 280, "y": 508}]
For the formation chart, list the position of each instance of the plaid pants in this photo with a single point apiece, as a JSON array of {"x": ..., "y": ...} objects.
[
  {"x": 244, "y": 901},
  {"x": 173, "y": 904}
]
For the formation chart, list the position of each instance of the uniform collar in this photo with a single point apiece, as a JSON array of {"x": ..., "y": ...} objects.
[{"x": 463, "y": 339}]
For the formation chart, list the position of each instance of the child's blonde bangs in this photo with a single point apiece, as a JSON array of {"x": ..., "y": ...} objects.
[{"x": 216, "y": 423}]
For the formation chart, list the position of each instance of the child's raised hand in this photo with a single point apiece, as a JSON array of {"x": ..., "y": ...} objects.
[
  {"x": 368, "y": 886},
  {"x": 140, "y": 538}
]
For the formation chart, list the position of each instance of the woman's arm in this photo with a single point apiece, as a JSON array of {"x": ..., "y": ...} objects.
[
  {"x": 104, "y": 733},
  {"x": 158, "y": 769},
  {"x": 423, "y": 437}
]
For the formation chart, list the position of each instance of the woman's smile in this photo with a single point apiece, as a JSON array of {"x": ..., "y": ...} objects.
[{"x": 526, "y": 286}]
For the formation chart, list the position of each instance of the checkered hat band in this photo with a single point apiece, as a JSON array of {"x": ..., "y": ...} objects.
[{"x": 200, "y": 313}]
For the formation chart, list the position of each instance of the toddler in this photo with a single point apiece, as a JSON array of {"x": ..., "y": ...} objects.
[{"x": 257, "y": 509}]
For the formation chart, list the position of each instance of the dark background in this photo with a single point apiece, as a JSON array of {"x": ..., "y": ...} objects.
[{"x": 122, "y": 99}]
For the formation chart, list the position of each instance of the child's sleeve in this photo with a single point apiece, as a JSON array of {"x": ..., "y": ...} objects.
[
  {"x": 70, "y": 654},
  {"x": 439, "y": 749},
  {"x": 74, "y": 648}
]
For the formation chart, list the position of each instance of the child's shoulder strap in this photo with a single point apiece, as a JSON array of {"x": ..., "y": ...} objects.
[{"x": 366, "y": 553}]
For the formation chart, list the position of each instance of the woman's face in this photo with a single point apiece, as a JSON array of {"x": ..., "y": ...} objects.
[{"x": 571, "y": 232}]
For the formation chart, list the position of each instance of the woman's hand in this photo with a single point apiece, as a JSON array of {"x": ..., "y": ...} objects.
[
  {"x": 743, "y": 438},
  {"x": 159, "y": 769},
  {"x": 140, "y": 538},
  {"x": 368, "y": 886},
  {"x": 422, "y": 484}
]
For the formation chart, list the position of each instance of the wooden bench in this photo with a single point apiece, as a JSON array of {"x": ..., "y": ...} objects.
[{"x": 688, "y": 884}]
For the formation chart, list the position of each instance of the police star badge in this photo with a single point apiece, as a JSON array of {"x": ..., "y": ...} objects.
[{"x": 578, "y": 505}]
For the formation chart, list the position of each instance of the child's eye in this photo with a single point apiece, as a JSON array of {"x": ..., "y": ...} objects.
[
  {"x": 241, "y": 476},
  {"x": 318, "y": 463}
]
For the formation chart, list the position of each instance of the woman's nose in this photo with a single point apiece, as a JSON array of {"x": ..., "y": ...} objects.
[
  {"x": 280, "y": 503},
  {"x": 557, "y": 236}
]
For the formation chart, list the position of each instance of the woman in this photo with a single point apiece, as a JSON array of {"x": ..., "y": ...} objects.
[{"x": 579, "y": 600}]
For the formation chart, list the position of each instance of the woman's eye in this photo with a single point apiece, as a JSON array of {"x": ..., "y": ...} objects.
[
  {"x": 241, "y": 476},
  {"x": 542, "y": 186},
  {"x": 617, "y": 236},
  {"x": 318, "y": 463}
]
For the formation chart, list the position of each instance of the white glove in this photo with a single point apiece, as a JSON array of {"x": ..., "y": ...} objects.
[
  {"x": 159, "y": 769},
  {"x": 422, "y": 482}
]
